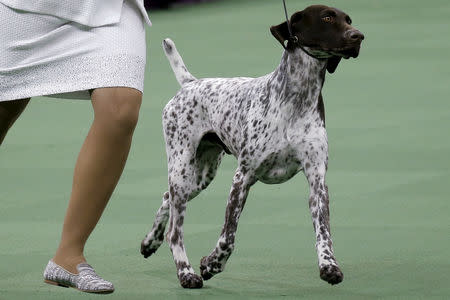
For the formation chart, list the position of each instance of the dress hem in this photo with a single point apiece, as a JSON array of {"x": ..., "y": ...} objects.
[{"x": 75, "y": 77}]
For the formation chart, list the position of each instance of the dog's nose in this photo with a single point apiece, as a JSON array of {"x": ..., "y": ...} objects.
[{"x": 354, "y": 35}]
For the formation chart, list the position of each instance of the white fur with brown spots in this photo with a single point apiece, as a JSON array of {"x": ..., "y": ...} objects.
[{"x": 274, "y": 125}]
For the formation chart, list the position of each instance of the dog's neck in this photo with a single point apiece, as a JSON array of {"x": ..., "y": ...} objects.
[{"x": 299, "y": 79}]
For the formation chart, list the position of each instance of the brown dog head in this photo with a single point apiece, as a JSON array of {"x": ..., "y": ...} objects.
[{"x": 325, "y": 31}]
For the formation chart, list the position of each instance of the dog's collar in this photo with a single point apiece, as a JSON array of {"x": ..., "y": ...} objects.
[{"x": 294, "y": 39}]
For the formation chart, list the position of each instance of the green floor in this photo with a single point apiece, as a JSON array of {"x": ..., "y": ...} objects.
[{"x": 388, "y": 120}]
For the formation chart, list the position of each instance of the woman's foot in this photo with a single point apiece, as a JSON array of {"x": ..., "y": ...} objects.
[{"x": 86, "y": 280}]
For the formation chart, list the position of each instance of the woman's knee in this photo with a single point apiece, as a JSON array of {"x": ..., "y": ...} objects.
[{"x": 118, "y": 107}]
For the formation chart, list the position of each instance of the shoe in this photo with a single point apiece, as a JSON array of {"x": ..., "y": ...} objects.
[{"x": 86, "y": 280}]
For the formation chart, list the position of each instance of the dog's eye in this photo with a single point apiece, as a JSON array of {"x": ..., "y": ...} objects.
[{"x": 327, "y": 19}]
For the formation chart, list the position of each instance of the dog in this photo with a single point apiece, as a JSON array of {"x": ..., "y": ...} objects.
[{"x": 274, "y": 125}]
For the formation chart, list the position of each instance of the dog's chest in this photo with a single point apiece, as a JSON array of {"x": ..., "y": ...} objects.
[
  {"x": 278, "y": 165},
  {"x": 281, "y": 149}
]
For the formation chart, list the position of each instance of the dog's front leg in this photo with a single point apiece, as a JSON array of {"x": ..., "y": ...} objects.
[
  {"x": 215, "y": 262},
  {"x": 319, "y": 207}
]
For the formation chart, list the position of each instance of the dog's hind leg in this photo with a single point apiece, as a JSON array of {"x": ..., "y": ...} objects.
[
  {"x": 190, "y": 171},
  {"x": 187, "y": 179},
  {"x": 155, "y": 237},
  {"x": 215, "y": 262},
  {"x": 208, "y": 158},
  {"x": 182, "y": 187}
]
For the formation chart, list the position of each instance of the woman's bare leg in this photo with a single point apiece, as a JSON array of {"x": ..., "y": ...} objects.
[
  {"x": 9, "y": 112},
  {"x": 98, "y": 169}
]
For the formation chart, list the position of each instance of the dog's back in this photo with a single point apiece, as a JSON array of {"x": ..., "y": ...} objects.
[{"x": 221, "y": 103}]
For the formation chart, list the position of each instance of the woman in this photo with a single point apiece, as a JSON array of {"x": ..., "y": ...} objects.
[{"x": 87, "y": 49}]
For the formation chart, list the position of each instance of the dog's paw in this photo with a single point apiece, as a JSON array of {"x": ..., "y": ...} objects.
[
  {"x": 209, "y": 267},
  {"x": 148, "y": 247},
  {"x": 331, "y": 274},
  {"x": 191, "y": 281}
]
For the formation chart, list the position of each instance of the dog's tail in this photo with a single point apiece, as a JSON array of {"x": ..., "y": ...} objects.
[{"x": 176, "y": 62}]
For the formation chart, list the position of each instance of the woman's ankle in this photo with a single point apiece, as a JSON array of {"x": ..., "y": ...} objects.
[{"x": 69, "y": 263}]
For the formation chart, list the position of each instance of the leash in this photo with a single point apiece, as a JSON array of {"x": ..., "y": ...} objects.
[{"x": 292, "y": 38}]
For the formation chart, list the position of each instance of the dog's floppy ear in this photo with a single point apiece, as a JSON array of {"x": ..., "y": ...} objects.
[
  {"x": 281, "y": 33},
  {"x": 333, "y": 63}
]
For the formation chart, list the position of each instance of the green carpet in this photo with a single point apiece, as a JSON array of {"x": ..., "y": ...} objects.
[{"x": 388, "y": 120}]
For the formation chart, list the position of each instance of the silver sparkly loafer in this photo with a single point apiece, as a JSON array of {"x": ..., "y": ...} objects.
[{"x": 86, "y": 280}]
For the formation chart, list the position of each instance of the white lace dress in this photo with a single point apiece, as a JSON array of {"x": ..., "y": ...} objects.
[{"x": 46, "y": 55}]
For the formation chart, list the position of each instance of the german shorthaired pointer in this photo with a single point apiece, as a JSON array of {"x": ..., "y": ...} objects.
[{"x": 274, "y": 125}]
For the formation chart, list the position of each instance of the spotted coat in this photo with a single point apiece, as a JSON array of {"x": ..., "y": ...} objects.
[{"x": 274, "y": 125}]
